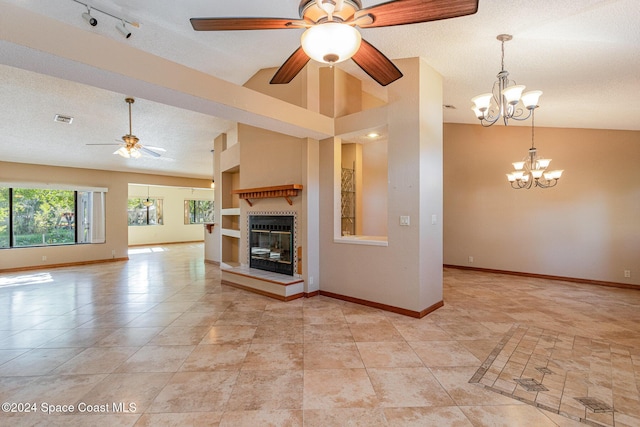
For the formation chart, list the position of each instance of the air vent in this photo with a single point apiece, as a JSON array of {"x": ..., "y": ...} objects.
[{"x": 63, "y": 119}]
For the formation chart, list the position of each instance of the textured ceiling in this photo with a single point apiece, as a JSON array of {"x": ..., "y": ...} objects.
[{"x": 584, "y": 56}]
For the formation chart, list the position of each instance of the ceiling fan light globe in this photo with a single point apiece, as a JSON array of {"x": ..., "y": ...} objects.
[
  {"x": 122, "y": 151},
  {"x": 331, "y": 43}
]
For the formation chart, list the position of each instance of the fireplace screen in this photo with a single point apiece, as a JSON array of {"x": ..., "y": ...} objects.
[{"x": 271, "y": 243}]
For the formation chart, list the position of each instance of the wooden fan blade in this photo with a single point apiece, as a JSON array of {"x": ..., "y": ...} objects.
[
  {"x": 232, "y": 24},
  {"x": 374, "y": 63},
  {"x": 401, "y": 12},
  {"x": 291, "y": 67}
]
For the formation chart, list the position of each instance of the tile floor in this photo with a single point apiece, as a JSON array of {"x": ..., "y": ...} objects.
[{"x": 158, "y": 341}]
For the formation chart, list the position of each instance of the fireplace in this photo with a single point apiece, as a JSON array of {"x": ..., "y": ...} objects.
[{"x": 271, "y": 243}]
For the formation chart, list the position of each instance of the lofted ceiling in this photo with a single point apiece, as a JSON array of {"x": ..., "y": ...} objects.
[{"x": 584, "y": 56}]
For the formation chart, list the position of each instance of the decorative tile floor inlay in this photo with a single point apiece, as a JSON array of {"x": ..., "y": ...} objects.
[
  {"x": 596, "y": 405},
  {"x": 586, "y": 380},
  {"x": 530, "y": 384}
]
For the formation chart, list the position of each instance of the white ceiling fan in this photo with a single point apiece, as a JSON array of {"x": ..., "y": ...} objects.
[{"x": 131, "y": 146}]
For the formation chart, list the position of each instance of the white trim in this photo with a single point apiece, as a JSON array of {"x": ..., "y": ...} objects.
[
  {"x": 361, "y": 240},
  {"x": 230, "y": 211}
]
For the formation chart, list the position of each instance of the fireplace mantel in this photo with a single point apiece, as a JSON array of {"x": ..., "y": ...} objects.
[{"x": 285, "y": 191}]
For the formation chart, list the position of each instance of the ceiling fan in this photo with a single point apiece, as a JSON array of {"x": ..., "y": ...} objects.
[
  {"x": 131, "y": 146},
  {"x": 330, "y": 36}
]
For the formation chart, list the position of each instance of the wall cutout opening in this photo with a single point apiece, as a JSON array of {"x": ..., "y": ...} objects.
[{"x": 363, "y": 189}]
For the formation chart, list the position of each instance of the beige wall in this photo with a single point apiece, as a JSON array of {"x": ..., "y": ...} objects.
[
  {"x": 273, "y": 159},
  {"x": 374, "y": 188},
  {"x": 116, "y": 207},
  {"x": 408, "y": 272},
  {"x": 587, "y": 227}
]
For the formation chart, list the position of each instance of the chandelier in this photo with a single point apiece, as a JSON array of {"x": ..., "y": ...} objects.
[
  {"x": 506, "y": 99},
  {"x": 532, "y": 170}
]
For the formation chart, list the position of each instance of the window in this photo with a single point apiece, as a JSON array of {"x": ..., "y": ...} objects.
[
  {"x": 144, "y": 211},
  {"x": 91, "y": 216},
  {"x": 45, "y": 217},
  {"x": 198, "y": 211}
]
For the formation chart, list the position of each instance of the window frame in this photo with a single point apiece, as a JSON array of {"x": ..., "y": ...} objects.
[
  {"x": 190, "y": 214},
  {"x": 100, "y": 218},
  {"x": 158, "y": 204}
]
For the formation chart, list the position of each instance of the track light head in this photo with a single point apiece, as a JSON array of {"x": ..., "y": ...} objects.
[
  {"x": 90, "y": 19},
  {"x": 122, "y": 29}
]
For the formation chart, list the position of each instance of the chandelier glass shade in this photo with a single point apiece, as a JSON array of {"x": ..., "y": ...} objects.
[
  {"x": 507, "y": 99},
  {"x": 533, "y": 170},
  {"x": 331, "y": 42}
]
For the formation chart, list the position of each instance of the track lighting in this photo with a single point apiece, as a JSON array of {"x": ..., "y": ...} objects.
[
  {"x": 121, "y": 26},
  {"x": 90, "y": 19},
  {"x": 123, "y": 30}
]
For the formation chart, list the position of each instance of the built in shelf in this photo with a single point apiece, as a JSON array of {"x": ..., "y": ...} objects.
[
  {"x": 285, "y": 191},
  {"x": 230, "y": 211},
  {"x": 230, "y": 232}
]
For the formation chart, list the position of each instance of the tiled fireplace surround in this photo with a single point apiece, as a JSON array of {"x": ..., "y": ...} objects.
[{"x": 272, "y": 284}]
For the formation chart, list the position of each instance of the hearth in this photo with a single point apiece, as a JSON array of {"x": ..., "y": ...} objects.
[{"x": 271, "y": 243}]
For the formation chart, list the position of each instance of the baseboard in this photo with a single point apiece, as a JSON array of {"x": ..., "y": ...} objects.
[
  {"x": 65, "y": 264},
  {"x": 208, "y": 261},
  {"x": 546, "y": 276},
  {"x": 165, "y": 243},
  {"x": 391, "y": 308}
]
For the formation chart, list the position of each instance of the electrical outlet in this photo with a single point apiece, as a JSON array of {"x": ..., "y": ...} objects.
[
  {"x": 44, "y": 257},
  {"x": 627, "y": 273},
  {"x": 311, "y": 280},
  {"x": 113, "y": 252},
  {"x": 470, "y": 260}
]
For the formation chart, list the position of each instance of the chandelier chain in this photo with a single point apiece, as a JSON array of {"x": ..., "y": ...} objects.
[{"x": 533, "y": 117}]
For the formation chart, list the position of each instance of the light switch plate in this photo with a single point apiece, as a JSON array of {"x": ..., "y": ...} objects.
[{"x": 404, "y": 220}]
